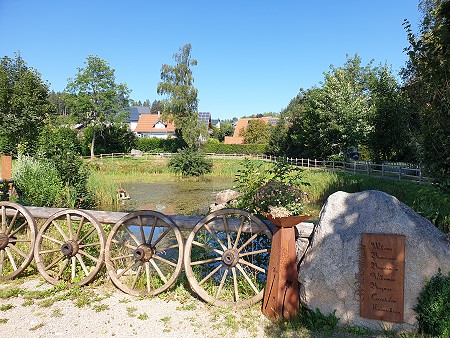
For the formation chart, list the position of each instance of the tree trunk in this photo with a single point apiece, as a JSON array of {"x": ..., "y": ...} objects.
[{"x": 92, "y": 144}]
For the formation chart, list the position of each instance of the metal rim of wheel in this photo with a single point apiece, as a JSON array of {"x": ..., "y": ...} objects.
[
  {"x": 144, "y": 253},
  {"x": 70, "y": 247},
  {"x": 227, "y": 257},
  {"x": 17, "y": 236}
]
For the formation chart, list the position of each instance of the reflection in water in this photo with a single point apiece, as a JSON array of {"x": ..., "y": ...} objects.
[{"x": 182, "y": 197}]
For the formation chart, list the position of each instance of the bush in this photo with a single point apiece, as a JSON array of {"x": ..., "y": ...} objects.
[
  {"x": 37, "y": 182},
  {"x": 115, "y": 138},
  {"x": 212, "y": 146},
  {"x": 190, "y": 163},
  {"x": 433, "y": 306},
  {"x": 157, "y": 145}
]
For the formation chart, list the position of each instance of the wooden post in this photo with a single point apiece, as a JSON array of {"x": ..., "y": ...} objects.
[{"x": 6, "y": 167}]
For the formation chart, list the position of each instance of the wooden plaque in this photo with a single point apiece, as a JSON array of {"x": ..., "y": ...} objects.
[
  {"x": 6, "y": 167},
  {"x": 383, "y": 273}
]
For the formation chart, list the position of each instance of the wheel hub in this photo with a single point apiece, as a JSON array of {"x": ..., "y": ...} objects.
[
  {"x": 230, "y": 257},
  {"x": 70, "y": 248},
  {"x": 143, "y": 253},
  {"x": 4, "y": 240}
]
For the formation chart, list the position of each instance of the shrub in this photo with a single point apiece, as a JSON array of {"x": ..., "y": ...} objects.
[
  {"x": 433, "y": 307},
  {"x": 114, "y": 138},
  {"x": 157, "y": 145},
  {"x": 37, "y": 182},
  {"x": 212, "y": 146},
  {"x": 190, "y": 163}
]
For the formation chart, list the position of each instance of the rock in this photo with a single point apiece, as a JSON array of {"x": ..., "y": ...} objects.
[
  {"x": 136, "y": 152},
  {"x": 226, "y": 196},
  {"x": 215, "y": 207},
  {"x": 328, "y": 275}
]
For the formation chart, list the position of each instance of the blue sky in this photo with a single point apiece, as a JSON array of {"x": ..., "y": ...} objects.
[{"x": 253, "y": 56}]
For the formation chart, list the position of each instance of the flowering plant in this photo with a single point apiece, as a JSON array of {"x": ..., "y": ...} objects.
[{"x": 280, "y": 199}]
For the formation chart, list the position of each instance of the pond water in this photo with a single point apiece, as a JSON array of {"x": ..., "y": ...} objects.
[{"x": 181, "y": 197}]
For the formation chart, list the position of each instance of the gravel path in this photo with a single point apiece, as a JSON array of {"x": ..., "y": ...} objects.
[{"x": 104, "y": 311}]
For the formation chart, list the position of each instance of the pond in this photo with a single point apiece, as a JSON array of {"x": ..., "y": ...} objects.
[{"x": 181, "y": 197}]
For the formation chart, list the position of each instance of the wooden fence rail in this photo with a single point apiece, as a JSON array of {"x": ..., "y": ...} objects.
[{"x": 398, "y": 171}]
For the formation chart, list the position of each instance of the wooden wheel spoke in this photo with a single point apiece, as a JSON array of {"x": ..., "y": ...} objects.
[
  {"x": 18, "y": 229},
  {"x": 88, "y": 255},
  {"x": 147, "y": 273},
  {"x": 3, "y": 218},
  {"x": 74, "y": 267},
  {"x": 164, "y": 260},
  {"x": 89, "y": 245},
  {"x": 247, "y": 278},
  {"x": 83, "y": 266},
  {"x": 80, "y": 227},
  {"x": 248, "y": 253},
  {"x": 248, "y": 242},
  {"x": 54, "y": 240},
  {"x": 13, "y": 220},
  {"x": 132, "y": 235},
  {"x": 253, "y": 266},
  {"x": 227, "y": 232},
  {"x": 121, "y": 257},
  {"x": 158, "y": 270},
  {"x": 63, "y": 234},
  {"x": 235, "y": 283},
  {"x": 16, "y": 249},
  {"x": 222, "y": 282},
  {"x": 49, "y": 251},
  {"x": 206, "y": 261},
  {"x": 204, "y": 246},
  {"x": 11, "y": 258},
  {"x": 66, "y": 264},
  {"x": 69, "y": 225},
  {"x": 162, "y": 236},
  {"x": 238, "y": 236},
  {"x": 141, "y": 229},
  {"x": 87, "y": 235},
  {"x": 173, "y": 246},
  {"x": 215, "y": 237},
  {"x": 13, "y": 240},
  {"x": 126, "y": 269},
  {"x": 152, "y": 232},
  {"x": 127, "y": 245},
  {"x": 55, "y": 261},
  {"x": 210, "y": 274},
  {"x": 136, "y": 277},
  {"x": 2, "y": 259}
]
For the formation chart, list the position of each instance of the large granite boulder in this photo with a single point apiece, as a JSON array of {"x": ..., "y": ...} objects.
[{"x": 329, "y": 274}]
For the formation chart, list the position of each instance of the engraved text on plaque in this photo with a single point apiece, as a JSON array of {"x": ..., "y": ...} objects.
[{"x": 383, "y": 272}]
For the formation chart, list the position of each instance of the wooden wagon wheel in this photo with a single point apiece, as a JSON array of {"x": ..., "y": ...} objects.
[
  {"x": 144, "y": 253},
  {"x": 226, "y": 258},
  {"x": 70, "y": 247},
  {"x": 17, "y": 236}
]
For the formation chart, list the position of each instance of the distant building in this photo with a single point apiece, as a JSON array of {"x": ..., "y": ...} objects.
[
  {"x": 215, "y": 123},
  {"x": 242, "y": 124},
  {"x": 134, "y": 113},
  {"x": 151, "y": 125}
]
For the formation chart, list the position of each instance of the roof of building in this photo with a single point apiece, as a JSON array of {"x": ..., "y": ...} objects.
[
  {"x": 147, "y": 122},
  {"x": 243, "y": 123},
  {"x": 136, "y": 111}
]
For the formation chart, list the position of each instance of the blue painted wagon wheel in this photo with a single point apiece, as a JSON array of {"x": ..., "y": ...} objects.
[
  {"x": 70, "y": 247},
  {"x": 144, "y": 253},
  {"x": 17, "y": 236},
  {"x": 227, "y": 256}
]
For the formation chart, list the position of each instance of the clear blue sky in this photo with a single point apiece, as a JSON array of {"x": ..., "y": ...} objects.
[{"x": 253, "y": 56}]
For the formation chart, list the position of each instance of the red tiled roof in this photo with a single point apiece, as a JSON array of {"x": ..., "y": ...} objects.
[
  {"x": 146, "y": 124},
  {"x": 243, "y": 123}
]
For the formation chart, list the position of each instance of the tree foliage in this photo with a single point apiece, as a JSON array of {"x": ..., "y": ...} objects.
[
  {"x": 24, "y": 105},
  {"x": 257, "y": 131},
  {"x": 95, "y": 97},
  {"x": 181, "y": 104},
  {"x": 427, "y": 84}
]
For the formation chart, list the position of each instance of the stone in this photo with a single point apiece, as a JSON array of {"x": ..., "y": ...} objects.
[
  {"x": 215, "y": 207},
  {"x": 226, "y": 196},
  {"x": 136, "y": 152},
  {"x": 329, "y": 273}
]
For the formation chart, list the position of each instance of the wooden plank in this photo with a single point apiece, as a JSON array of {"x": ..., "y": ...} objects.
[
  {"x": 383, "y": 273},
  {"x": 6, "y": 167}
]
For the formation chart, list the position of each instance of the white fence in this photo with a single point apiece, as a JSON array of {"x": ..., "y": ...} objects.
[{"x": 397, "y": 171}]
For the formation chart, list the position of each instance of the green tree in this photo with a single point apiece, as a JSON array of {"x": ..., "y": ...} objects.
[
  {"x": 257, "y": 131},
  {"x": 24, "y": 105},
  {"x": 157, "y": 106},
  {"x": 95, "y": 98},
  {"x": 426, "y": 77},
  {"x": 181, "y": 104},
  {"x": 113, "y": 138},
  {"x": 226, "y": 129}
]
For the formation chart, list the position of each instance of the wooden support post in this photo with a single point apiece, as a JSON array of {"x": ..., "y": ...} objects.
[
  {"x": 6, "y": 167},
  {"x": 281, "y": 299}
]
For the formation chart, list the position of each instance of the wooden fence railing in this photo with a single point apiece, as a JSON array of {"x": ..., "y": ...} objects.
[{"x": 397, "y": 171}]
